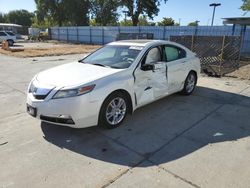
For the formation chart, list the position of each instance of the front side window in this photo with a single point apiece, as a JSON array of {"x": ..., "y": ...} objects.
[
  {"x": 114, "y": 56},
  {"x": 153, "y": 56},
  {"x": 173, "y": 53}
]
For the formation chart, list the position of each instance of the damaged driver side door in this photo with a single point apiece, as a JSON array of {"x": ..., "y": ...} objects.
[{"x": 150, "y": 77}]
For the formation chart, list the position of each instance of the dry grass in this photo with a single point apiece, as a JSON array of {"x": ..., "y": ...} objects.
[{"x": 54, "y": 51}]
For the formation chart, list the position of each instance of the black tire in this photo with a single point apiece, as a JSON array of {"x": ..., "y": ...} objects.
[
  {"x": 187, "y": 90},
  {"x": 103, "y": 121},
  {"x": 10, "y": 42}
]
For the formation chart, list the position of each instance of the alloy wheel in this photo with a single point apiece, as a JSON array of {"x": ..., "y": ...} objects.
[{"x": 116, "y": 111}]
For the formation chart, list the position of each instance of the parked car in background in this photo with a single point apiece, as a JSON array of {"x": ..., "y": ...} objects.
[
  {"x": 102, "y": 88},
  {"x": 8, "y": 36}
]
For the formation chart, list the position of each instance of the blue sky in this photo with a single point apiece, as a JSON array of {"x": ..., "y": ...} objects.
[{"x": 186, "y": 10}]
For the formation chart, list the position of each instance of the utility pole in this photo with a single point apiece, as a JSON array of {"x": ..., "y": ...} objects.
[{"x": 214, "y": 5}]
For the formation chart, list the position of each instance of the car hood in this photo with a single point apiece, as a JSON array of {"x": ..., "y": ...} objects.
[{"x": 73, "y": 74}]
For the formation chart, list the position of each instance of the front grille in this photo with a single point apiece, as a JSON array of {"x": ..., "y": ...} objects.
[{"x": 58, "y": 120}]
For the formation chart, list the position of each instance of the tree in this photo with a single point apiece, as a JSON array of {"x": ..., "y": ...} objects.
[
  {"x": 63, "y": 12},
  {"x": 142, "y": 21},
  {"x": 166, "y": 22},
  {"x": 21, "y": 17},
  {"x": 105, "y": 12},
  {"x": 2, "y": 18},
  {"x": 126, "y": 23},
  {"x": 51, "y": 9},
  {"x": 246, "y": 5},
  {"x": 138, "y": 7},
  {"x": 195, "y": 23},
  {"x": 77, "y": 12}
]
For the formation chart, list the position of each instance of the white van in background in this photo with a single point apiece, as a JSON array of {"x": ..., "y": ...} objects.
[{"x": 8, "y": 36}]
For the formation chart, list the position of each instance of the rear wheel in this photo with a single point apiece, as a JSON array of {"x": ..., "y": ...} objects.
[
  {"x": 113, "y": 110},
  {"x": 190, "y": 84}
]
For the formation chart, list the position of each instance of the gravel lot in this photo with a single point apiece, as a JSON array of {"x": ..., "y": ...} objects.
[{"x": 197, "y": 141}]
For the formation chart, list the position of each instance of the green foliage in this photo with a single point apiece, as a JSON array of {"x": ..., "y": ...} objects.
[
  {"x": 137, "y": 7},
  {"x": 92, "y": 22},
  {"x": 246, "y": 5},
  {"x": 126, "y": 23},
  {"x": 105, "y": 12},
  {"x": 46, "y": 23},
  {"x": 143, "y": 21},
  {"x": 195, "y": 23},
  {"x": 2, "y": 18},
  {"x": 77, "y": 12},
  {"x": 166, "y": 22},
  {"x": 21, "y": 17},
  {"x": 63, "y": 12}
]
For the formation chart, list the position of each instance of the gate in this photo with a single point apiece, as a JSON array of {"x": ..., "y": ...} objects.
[{"x": 219, "y": 55}]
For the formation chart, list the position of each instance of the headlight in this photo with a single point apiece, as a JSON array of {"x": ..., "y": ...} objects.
[
  {"x": 73, "y": 92},
  {"x": 31, "y": 88}
]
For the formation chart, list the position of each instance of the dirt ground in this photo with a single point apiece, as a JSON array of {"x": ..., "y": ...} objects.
[
  {"x": 47, "y": 49},
  {"x": 242, "y": 73}
]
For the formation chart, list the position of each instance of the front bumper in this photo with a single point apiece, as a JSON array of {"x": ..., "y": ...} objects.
[{"x": 75, "y": 112}]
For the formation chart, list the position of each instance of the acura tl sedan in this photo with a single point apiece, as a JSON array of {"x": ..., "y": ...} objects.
[{"x": 102, "y": 88}]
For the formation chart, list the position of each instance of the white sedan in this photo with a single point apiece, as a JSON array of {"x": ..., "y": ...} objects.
[{"x": 102, "y": 88}]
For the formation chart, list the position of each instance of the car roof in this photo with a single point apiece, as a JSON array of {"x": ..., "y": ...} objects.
[
  {"x": 133, "y": 42},
  {"x": 143, "y": 43}
]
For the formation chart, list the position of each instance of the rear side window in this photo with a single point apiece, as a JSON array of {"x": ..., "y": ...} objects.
[
  {"x": 173, "y": 53},
  {"x": 2, "y": 34},
  {"x": 10, "y": 33}
]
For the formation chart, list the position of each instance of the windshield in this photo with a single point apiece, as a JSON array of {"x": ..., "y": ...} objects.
[{"x": 114, "y": 56}]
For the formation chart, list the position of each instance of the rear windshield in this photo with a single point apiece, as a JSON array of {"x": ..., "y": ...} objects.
[{"x": 10, "y": 33}]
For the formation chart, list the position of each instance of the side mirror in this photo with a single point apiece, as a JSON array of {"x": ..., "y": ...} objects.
[{"x": 147, "y": 67}]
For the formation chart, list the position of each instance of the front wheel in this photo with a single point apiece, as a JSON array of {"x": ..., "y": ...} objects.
[
  {"x": 190, "y": 84},
  {"x": 113, "y": 111}
]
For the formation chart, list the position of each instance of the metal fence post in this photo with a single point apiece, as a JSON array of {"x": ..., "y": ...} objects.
[
  {"x": 196, "y": 30},
  {"x": 119, "y": 33},
  {"x": 192, "y": 43},
  {"x": 102, "y": 35},
  {"x": 90, "y": 35},
  {"x": 222, "y": 53},
  {"x": 67, "y": 34},
  {"x": 77, "y": 37},
  {"x": 58, "y": 33},
  {"x": 164, "y": 32},
  {"x": 233, "y": 29},
  {"x": 242, "y": 35}
]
